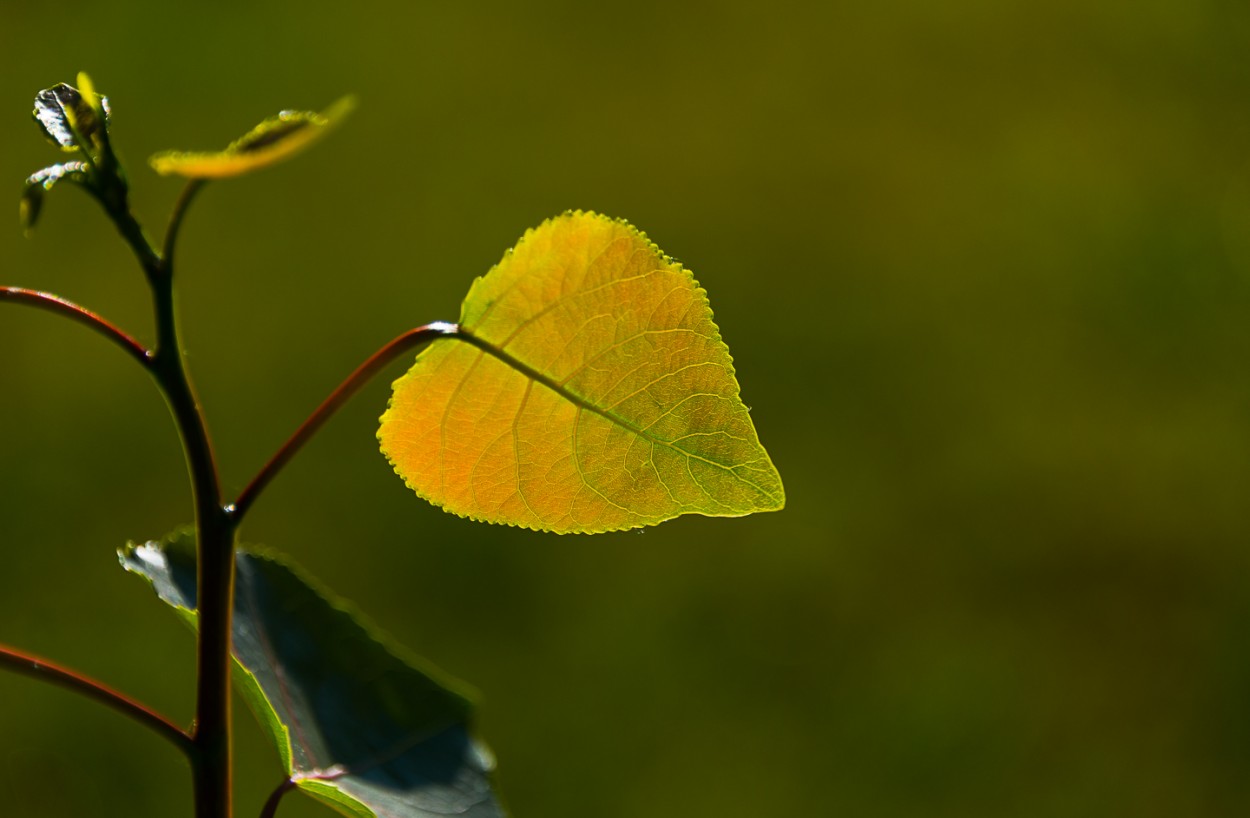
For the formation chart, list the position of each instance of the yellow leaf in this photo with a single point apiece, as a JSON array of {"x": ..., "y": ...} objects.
[
  {"x": 273, "y": 140},
  {"x": 629, "y": 414}
]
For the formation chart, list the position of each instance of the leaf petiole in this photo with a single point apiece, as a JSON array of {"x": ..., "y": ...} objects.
[
  {"x": 271, "y": 804},
  {"x": 175, "y": 220},
  {"x": 39, "y": 668},
  {"x": 56, "y": 304},
  {"x": 350, "y": 386}
]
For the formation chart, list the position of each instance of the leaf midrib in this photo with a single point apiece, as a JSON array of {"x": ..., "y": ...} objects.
[{"x": 530, "y": 372}]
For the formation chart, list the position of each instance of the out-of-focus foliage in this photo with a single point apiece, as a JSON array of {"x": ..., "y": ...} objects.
[
  {"x": 983, "y": 267},
  {"x": 77, "y": 121},
  {"x": 275, "y": 139}
]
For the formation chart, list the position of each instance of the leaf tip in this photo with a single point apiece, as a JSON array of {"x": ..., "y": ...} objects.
[{"x": 87, "y": 88}]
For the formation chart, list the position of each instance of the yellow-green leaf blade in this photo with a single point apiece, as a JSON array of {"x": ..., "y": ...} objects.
[
  {"x": 630, "y": 413},
  {"x": 277, "y": 138}
]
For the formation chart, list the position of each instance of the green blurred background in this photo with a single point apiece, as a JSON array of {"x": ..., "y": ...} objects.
[{"x": 983, "y": 268}]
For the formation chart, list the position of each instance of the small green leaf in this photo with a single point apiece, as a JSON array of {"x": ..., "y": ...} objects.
[
  {"x": 358, "y": 726},
  {"x": 40, "y": 182},
  {"x": 277, "y": 138},
  {"x": 73, "y": 119}
]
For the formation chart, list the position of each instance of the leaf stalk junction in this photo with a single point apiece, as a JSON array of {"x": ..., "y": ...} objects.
[{"x": 207, "y": 744}]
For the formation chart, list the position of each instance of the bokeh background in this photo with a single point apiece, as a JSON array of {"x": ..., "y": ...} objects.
[{"x": 984, "y": 268}]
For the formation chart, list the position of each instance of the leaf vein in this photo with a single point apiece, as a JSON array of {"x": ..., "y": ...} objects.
[
  {"x": 516, "y": 448},
  {"x": 671, "y": 374},
  {"x": 262, "y": 636},
  {"x": 582, "y": 474},
  {"x": 442, "y": 426},
  {"x": 660, "y": 477},
  {"x": 621, "y": 343},
  {"x": 582, "y": 403},
  {"x": 563, "y": 297}
]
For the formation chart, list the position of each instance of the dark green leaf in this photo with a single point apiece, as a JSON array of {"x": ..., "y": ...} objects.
[
  {"x": 69, "y": 117},
  {"x": 357, "y": 725},
  {"x": 41, "y": 181}
]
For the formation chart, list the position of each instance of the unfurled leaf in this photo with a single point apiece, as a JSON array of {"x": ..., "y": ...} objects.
[
  {"x": 356, "y": 724},
  {"x": 42, "y": 181},
  {"x": 273, "y": 140},
  {"x": 611, "y": 402},
  {"x": 71, "y": 118}
]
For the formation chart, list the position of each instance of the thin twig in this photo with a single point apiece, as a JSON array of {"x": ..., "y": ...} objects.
[
  {"x": 350, "y": 386},
  {"x": 39, "y": 668},
  {"x": 271, "y": 805},
  {"x": 329, "y": 774},
  {"x": 175, "y": 219},
  {"x": 60, "y": 306}
]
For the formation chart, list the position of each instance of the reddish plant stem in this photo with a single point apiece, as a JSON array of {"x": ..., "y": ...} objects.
[
  {"x": 211, "y": 761},
  {"x": 39, "y": 668},
  {"x": 60, "y": 306},
  {"x": 208, "y": 747},
  {"x": 212, "y": 770},
  {"x": 350, "y": 386},
  {"x": 271, "y": 804}
]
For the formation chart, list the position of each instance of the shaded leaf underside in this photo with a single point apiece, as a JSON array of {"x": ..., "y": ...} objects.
[
  {"x": 356, "y": 725},
  {"x": 634, "y": 417}
]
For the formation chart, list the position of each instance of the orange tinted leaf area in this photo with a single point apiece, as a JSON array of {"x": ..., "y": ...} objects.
[{"x": 629, "y": 414}]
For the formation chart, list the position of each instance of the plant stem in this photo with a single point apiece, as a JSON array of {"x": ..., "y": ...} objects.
[
  {"x": 215, "y": 575},
  {"x": 61, "y": 306},
  {"x": 115, "y": 203},
  {"x": 215, "y": 530},
  {"x": 271, "y": 804},
  {"x": 39, "y": 668},
  {"x": 215, "y": 595},
  {"x": 175, "y": 219},
  {"x": 350, "y": 386}
]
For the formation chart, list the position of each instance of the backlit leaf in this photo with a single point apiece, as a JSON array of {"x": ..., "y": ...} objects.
[
  {"x": 356, "y": 725},
  {"x": 72, "y": 118},
  {"x": 615, "y": 406},
  {"x": 277, "y": 138}
]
